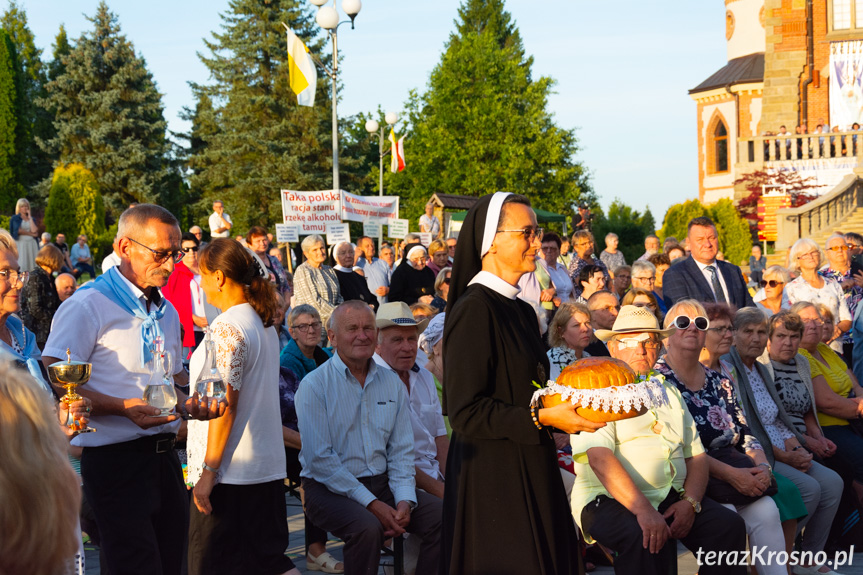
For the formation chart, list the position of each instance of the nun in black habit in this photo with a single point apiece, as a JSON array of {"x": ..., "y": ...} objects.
[
  {"x": 505, "y": 509},
  {"x": 412, "y": 279}
]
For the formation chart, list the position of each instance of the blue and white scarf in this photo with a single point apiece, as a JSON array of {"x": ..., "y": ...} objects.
[
  {"x": 112, "y": 286},
  {"x": 13, "y": 323}
]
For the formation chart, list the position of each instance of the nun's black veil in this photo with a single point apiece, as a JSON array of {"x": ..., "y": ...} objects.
[{"x": 467, "y": 250}]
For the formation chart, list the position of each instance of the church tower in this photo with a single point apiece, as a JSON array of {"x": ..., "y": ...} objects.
[{"x": 729, "y": 101}]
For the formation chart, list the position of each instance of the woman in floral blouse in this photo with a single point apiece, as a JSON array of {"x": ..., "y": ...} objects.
[
  {"x": 721, "y": 426},
  {"x": 569, "y": 333}
]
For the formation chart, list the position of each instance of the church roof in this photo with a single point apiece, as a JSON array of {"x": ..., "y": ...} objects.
[{"x": 741, "y": 70}]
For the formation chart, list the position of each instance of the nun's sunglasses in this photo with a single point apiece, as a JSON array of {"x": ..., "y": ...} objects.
[
  {"x": 683, "y": 322},
  {"x": 529, "y": 233}
]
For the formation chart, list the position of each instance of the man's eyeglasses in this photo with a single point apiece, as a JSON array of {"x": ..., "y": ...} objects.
[
  {"x": 771, "y": 283},
  {"x": 722, "y": 329},
  {"x": 529, "y": 232},
  {"x": 307, "y": 326},
  {"x": 814, "y": 322},
  {"x": 839, "y": 249},
  {"x": 190, "y": 249},
  {"x": 159, "y": 256},
  {"x": 13, "y": 277},
  {"x": 607, "y": 308},
  {"x": 646, "y": 344},
  {"x": 683, "y": 322},
  {"x": 650, "y": 280}
]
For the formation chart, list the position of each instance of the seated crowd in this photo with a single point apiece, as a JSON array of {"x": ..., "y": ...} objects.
[{"x": 757, "y": 446}]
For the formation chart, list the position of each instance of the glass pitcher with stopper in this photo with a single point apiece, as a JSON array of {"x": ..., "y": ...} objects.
[
  {"x": 210, "y": 382},
  {"x": 160, "y": 391}
]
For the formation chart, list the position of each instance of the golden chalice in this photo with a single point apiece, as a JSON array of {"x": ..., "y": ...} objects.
[{"x": 69, "y": 375}]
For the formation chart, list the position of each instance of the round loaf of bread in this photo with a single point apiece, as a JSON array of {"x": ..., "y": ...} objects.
[{"x": 596, "y": 373}]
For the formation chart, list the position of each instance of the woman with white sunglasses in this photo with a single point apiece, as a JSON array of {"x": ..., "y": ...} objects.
[{"x": 722, "y": 427}]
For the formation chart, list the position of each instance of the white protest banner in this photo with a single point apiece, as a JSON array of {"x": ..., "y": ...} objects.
[
  {"x": 311, "y": 211},
  {"x": 287, "y": 233},
  {"x": 425, "y": 238},
  {"x": 372, "y": 229},
  {"x": 338, "y": 233},
  {"x": 364, "y": 208},
  {"x": 397, "y": 228}
]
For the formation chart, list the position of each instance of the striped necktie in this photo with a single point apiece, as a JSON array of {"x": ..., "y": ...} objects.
[{"x": 717, "y": 287}]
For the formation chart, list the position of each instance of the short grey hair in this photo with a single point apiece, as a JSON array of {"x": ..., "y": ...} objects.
[
  {"x": 642, "y": 265},
  {"x": 301, "y": 309},
  {"x": 800, "y": 246},
  {"x": 749, "y": 316},
  {"x": 835, "y": 236},
  {"x": 611, "y": 235},
  {"x": 134, "y": 219},
  {"x": 311, "y": 241},
  {"x": 778, "y": 272},
  {"x": 46, "y": 236},
  {"x": 412, "y": 237}
]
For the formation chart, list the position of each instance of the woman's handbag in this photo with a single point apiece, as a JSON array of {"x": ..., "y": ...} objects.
[{"x": 722, "y": 491}]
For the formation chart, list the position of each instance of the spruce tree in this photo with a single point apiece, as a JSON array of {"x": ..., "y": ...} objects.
[
  {"x": 256, "y": 140},
  {"x": 62, "y": 48},
  {"x": 109, "y": 115},
  {"x": 10, "y": 95},
  {"x": 34, "y": 122},
  {"x": 483, "y": 125}
]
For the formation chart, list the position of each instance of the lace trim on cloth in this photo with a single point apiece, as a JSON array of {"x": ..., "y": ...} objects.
[
  {"x": 648, "y": 393},
  {"x": 231, "y": 352}
]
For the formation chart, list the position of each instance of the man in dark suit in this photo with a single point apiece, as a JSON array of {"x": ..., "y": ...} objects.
[{"x": 700, "y": 276}]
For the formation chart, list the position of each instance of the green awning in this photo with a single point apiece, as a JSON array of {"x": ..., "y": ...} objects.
[{"x": 541, "y": 216}]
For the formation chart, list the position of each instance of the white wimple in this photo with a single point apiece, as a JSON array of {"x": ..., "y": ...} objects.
[{"x": 648, "y": 393}]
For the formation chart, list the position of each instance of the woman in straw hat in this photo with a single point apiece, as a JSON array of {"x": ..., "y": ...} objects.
[{"x": 505, "y": 510}]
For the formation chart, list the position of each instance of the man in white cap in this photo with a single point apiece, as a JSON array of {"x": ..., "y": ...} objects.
[
  {"x": 641, "y": 481},
  {"x": 398, "y": 334}
]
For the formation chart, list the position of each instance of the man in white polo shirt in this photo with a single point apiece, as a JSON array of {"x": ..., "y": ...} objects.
[
  {"x": 131, "y": 474},
  {"x": 398, "y": 333},
  {"x": 220, "y": 222}
]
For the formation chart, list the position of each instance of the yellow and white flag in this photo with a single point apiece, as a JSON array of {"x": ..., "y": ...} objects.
[{"x": 302, "y": 74}]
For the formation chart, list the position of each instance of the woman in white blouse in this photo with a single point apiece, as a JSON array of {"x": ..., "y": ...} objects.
[
  {"x": 805, "y": 257},
  {"x": 238, "y": 519}
]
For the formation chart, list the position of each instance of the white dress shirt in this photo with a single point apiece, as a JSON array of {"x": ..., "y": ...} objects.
[
  {"x": 426, "y": 418},
  {"x": 560, "y": 278},
  {"x": 709, "y": 277},
  {"x": 216, "y": 222}
]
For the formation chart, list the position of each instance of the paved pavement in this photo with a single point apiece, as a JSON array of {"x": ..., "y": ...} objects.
[{"x": 686, "y": 561}]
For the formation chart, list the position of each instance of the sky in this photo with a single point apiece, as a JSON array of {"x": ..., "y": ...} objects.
[{"x": 623, "y": 70}]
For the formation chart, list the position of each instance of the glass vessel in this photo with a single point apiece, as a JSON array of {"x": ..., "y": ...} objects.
[
  {"x": 210, "y": 382},
  {"x": 160, "y": 391}
]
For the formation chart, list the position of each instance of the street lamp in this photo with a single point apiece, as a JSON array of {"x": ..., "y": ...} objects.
[
  {"x": 328, "y": 19},
  {"x": 372, "y": 128}
]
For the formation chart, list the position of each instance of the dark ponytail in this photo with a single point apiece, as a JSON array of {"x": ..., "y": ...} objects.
[{"x": 242, "y": 267}]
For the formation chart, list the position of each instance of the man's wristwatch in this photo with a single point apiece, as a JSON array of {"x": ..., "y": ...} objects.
[{"x": 696, "y": 505}]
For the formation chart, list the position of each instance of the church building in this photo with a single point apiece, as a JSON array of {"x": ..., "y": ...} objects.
[{"x": 794, "y": 73}]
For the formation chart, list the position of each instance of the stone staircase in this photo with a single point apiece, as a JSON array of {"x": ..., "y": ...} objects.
[{"x": 840, "y": 209}]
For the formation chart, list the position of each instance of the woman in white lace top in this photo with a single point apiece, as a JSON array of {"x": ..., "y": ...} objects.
[{"x": 238, "y": 519}]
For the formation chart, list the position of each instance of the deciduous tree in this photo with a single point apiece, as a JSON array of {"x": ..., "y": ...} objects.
[{"x": 483, "y": 124}]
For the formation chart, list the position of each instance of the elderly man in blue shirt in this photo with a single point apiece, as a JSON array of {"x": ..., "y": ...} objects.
[
  {"x": 377, "y": 271},
  {"x": 357, "y": 454}
]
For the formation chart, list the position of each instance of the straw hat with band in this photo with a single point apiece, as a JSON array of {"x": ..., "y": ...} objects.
[{"x": 398, "y": 314}]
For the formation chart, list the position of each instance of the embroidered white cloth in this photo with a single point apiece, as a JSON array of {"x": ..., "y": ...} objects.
[{"x": 649, "y": 393}]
